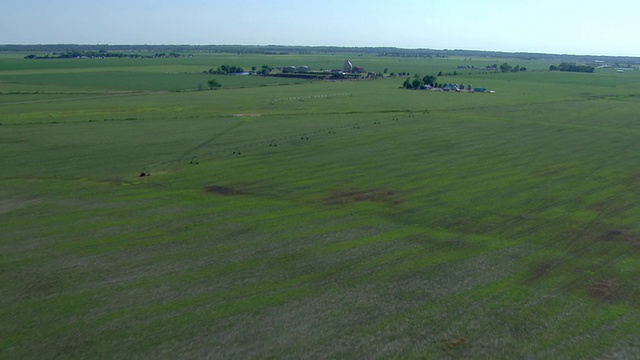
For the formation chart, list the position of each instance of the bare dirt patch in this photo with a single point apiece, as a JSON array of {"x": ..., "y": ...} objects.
[
  {"x": 622, "y": 236},
  {"x": 222, "y": 190},
  {"x": 342, "y": 197},
  {"x": 604, "y": 290},
  {"x": 451, "y": 343}
]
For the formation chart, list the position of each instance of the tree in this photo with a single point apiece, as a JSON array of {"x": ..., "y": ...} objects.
[
  {"x": 407, "y": 84},
  {"x": 386, "y": 70},
  {"x": 429, "y": 80},
  {"x": 505, "y": 67},
  {"x": 214, "y": 84},
  {"x": 265, "y": 70},
  {"x": 416, "y": 83}
]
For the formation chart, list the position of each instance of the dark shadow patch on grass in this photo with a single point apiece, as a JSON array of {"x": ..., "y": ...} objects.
[
  {"x": 222, "y": 190},
  {"x": 619, "y": 235},
  {"x": 632, "y": 179},
  {"x": 344, "y": 197},
  {"x": 540, "y": 270}
]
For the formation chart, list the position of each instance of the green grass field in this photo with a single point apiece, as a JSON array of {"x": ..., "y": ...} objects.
[{"x": 327, "y": 219}]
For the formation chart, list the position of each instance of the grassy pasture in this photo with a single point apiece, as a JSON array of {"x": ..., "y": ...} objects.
[
  {"x": 138, "y": 81},
  {"x": 386, "y": 223}
]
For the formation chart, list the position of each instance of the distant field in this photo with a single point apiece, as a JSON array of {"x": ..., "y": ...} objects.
[{"x": 317, "y": 219}]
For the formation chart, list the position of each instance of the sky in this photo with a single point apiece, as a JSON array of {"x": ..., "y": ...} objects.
[{"x": 546, "y": 26}]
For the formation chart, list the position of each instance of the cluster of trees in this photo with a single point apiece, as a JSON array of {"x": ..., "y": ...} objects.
[
  {"x": 505, "y": 67},
  {"x": 572, "y": 67},
  {"x": 495, "y": 67},
  {"x": 417, "y": 82},
  {"x": 163, "y": 55},
  {"x": 226, "y": 70},
  {"x": 264, "y": 70},
  {"x": 508, "y": 68}
]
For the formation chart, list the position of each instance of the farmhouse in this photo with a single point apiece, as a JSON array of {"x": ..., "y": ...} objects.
[
  {"x": 451, "y": 87},
  {"x": 305, "y": 72}
]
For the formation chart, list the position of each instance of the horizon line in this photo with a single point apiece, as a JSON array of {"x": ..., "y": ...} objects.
[{"x": 319, "y": 46}]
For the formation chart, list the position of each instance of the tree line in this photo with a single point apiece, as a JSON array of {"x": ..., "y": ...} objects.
[
  {"x": 417, "y": 82},
  {"x": 226, "y": 70},
  {"x": 99, "y": 54},
  {"x": 232, "y": 69},
  {"x": 283, "y": 50},
  {"x": 572, "y": 68}
]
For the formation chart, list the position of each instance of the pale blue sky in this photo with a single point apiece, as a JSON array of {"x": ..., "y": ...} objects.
[{"x": 571, "y": 27}]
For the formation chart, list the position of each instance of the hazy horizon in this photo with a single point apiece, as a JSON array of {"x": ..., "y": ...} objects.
[{"x": 587, "y": 28}]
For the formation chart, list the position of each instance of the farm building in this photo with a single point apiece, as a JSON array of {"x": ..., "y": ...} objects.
[
  {"x": 358, "y": 70},
  {"x": 452, "y": 87},
  {"x": 347, "y": 67}
]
